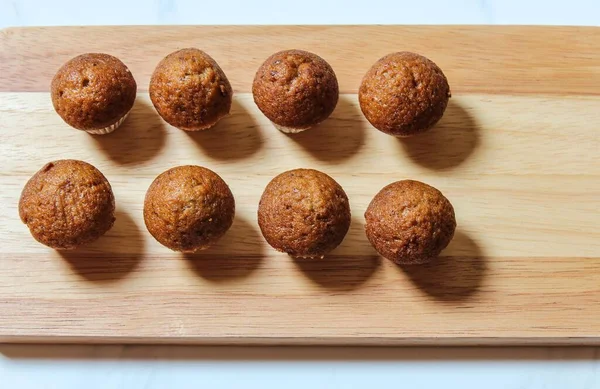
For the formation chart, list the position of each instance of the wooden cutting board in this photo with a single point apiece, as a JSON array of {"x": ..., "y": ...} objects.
[{"x": 517, "y": 153}]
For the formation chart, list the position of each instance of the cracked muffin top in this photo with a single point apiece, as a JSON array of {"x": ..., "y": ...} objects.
[
  {"x": 93, "y": 91},
  {"x": 188, "y": 208},
  {"x": 410, "y": 222},
  {"x": 67, "y": 204},
  {"x": 404, "y": 94},
  {"x": 304, "y": 213},
  {"x": 190, "y": 91},
  {"x": 295, "y": 89}
]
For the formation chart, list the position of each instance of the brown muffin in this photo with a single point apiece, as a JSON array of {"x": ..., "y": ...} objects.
[
  {"x": 188, "y": 208},
  {"x": 190, "y": 91},
  {"x": 295, "y": 89},
  {"x": 93, "y": 92},
  {"x": 304, "y": 213},
  {"x": 404, "y": 94},
  {"x": 410, "y": 222},
  {"x": 66, "y": 204}
]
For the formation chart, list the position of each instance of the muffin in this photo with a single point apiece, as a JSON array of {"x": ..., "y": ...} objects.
[
  {"x": 190, "y": 91},
  {"x": 304, "y": 213},
  {"x": 410, "y": 222},
  {"x": 93, "y": 92},
  {"x": 404, "y": 94},
  {"x": 67, "y": 204},
  {"x": 188, "y": 208},
  {"x": 295, "y": 90}
]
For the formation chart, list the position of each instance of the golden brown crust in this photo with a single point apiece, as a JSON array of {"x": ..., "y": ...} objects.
[
  {"x": 188, "y": 208},
  {"x": 190, "y": 91},
  {"x": 410, "y": 222},
  {"x": 296, "y": 89},
  {"x": 304, "y": 213},
  {"x": 66, "y": 204},
  {"x": 93, "y": 91},
  {"x": 404, "y": 94}
]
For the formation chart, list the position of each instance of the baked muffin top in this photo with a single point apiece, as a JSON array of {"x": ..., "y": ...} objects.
[
  {"x": 189, "y": 90},
  {"x": 295, "y": 88},
  {"x": 304, "y": 213},
  {"x": 93, "y": 91},
  {"x": 410, "y": 222},
  {"x": 404, "y": 94},
  {"x": 66, "y": 204},
  {"x": 188, "y": 208}
]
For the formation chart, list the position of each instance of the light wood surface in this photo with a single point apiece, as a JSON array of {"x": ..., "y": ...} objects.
[
  {"x": 517, "y": 153},
  {"x": 491, "y": 59}
]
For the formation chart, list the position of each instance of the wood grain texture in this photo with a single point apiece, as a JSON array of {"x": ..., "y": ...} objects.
[
  {"x": 519, "y": 162},
  {"x": 492, "y": 59}
]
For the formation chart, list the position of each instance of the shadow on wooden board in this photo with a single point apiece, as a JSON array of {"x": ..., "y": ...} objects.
[
  {"x": 447, "y": 145},
  {"x": 337, "y": 138},
  {"x": 236, "y": 255},
  {"x": 140, "y": 138},
  {"x": 451, "y": 278},
  {"x": 235, "y": 136},
  {"x": 96, "y": 262},
  {"x": 341, "y": 272}
]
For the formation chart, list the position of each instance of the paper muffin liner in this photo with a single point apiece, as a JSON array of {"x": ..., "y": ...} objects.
[
  {"x": 307, "y": 257},
  {"x": 109, "y": 129},
  {"x": 206, "y": 126},
  {"x": 197, "y": 249},
  {"x": 196, "y": 129},
  {"x": 289, "y": 130}
]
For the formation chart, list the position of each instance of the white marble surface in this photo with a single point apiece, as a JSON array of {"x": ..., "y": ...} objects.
[
  {"x": 133, "y": 367},
  {"x": 137, "y": 367},
  {"x": 110, "y": 12}
]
